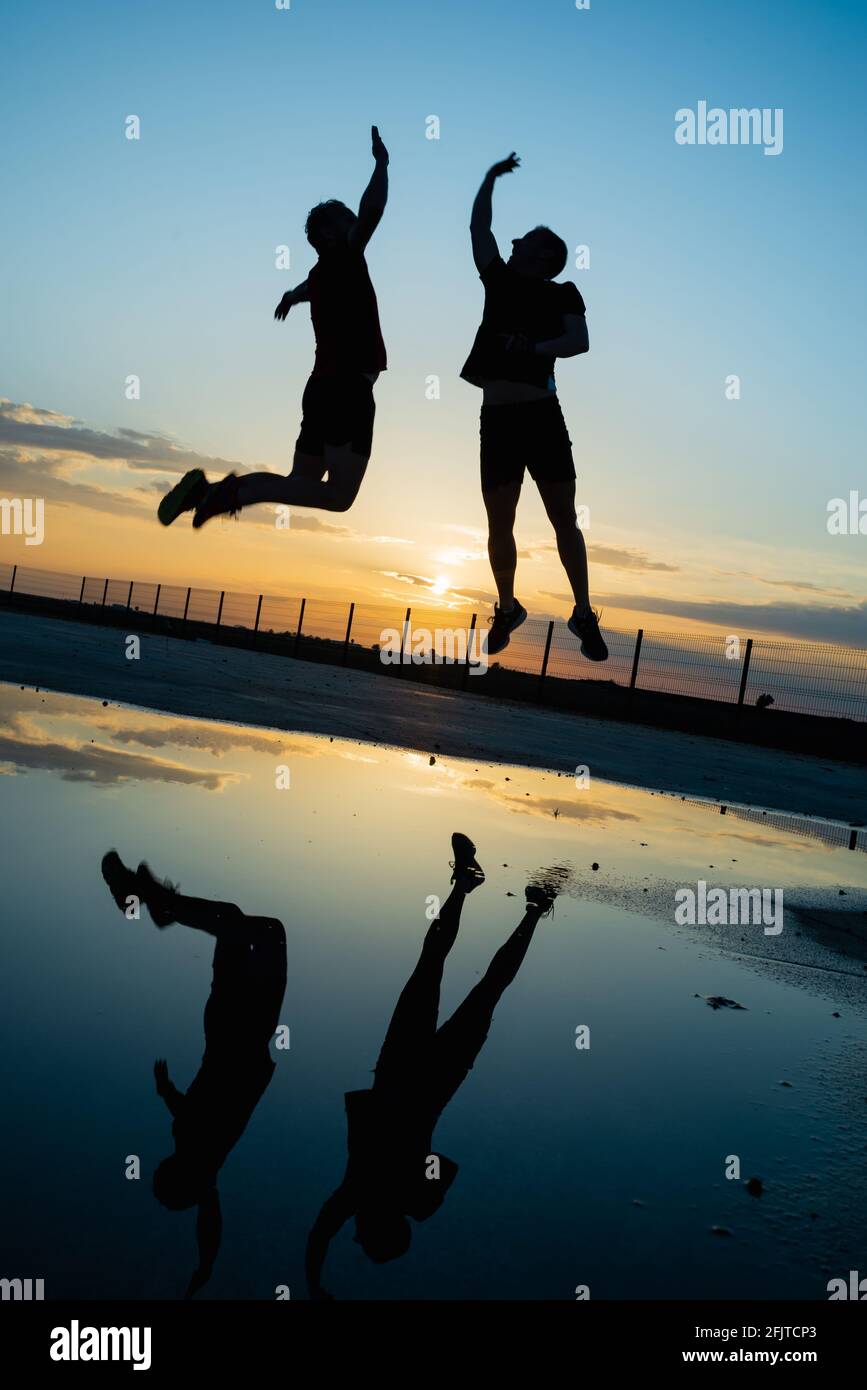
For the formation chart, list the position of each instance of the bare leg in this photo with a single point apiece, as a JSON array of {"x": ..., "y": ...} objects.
[
  {"x": 559, "y": 500},
  {"x": 459, "y": 1040},
  {"x": 501, "y": 503},
  {"x": 413, "y": 1024},
  {"x": 304, "y": 486}
]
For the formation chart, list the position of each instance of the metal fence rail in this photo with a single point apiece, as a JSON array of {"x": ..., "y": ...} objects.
[{"x": 802, "y": 677}]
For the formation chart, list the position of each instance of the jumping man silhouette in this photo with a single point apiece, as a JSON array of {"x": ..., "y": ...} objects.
[
  {"x": 528, "y": 322},
  {"x": 337, "y": 405}
]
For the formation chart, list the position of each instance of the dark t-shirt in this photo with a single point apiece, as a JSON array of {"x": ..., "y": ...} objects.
[
  {"x": 345, "y": 315},
  {"x": 389, "y": 1144},
  {"x": 516, "y": 303},
  {"x": 219, "y": 1102}
]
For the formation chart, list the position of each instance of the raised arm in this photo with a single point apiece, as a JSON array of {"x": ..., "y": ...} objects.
[
  {"x": 300, "y": 295},
  {"x": 484, "y": 244},
  {"x": 374, "y": 197},
  {"x": 335, "y": 1212},
  {"x": 166, "y": 1088},
  {"x": 209, "y": 1233}
]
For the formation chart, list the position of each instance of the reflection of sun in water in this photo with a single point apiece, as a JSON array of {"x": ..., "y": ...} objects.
[{"x": 440, "y": 585}]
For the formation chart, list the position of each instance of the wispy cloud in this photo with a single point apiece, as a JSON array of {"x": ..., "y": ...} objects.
[
  {"x": 616, "y": 557},
  {"x": 623, "y": 558},
  {"x": 43, "y": 476},
  {"x": 31, "y": 427},
  {"x": 813, "y": 622},
  {"x": 43, "y": 452}
]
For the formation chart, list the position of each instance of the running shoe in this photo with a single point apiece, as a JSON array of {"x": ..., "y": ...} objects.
[
  {"x": 541, "y": 896},
  {"x": 502, "y": 627},
  {"x": 587, "y": 630},
  {"x": 467, "y": 872},
  {"x": 122, "y": 882},
  {"x": 185, "y": 496},
  {"x": 221, "y": 497},
  {"x": 157, "y": 896}
]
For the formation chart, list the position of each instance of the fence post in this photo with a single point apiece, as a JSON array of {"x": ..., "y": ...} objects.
[
  {"x": 187, "y": 602},
  {"x": 404, "y": 634},
  {"x": 12, "y": 584},
  {"x": 104, "y": 592},
  {"x": 348, "y": 630},
  {"x": 853, "y": 838},
  {"x": 544, "y": 669},
  {"x": 129, "y": 597},
  {"x": 300, "y": 621},
  {"x": 157, "y": 599},
  {"x": 470, "y": 636},
  {"x": 258, "y": 614},
  {"x": 220, "y": 609},
  {"x": 639, "y": 638},
  {"x": 81, "y": 590},
  {"x": 745, "y": 672}
]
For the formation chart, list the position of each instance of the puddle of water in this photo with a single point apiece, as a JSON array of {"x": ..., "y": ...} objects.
[{"x": 573, "y": 1165}]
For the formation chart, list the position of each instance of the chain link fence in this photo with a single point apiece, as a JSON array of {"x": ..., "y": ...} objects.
[{"x": 801, "y": 677}]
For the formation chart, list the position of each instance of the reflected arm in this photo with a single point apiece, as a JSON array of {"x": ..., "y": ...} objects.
[{"x": 334, "y": 1214}]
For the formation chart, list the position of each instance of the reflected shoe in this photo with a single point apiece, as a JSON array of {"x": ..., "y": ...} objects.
[
  {"x": 502, "y": 627},
  {"x": 122, "y": 882},
  {"x": 541, "y": 896},
  {"x": 158, "y": 897},
  {"x": 220, "y": 499},
  {"x": 587, "y": 630},
  {"x": 185, "y": 496},
  {"x": 467, "y": 873}
]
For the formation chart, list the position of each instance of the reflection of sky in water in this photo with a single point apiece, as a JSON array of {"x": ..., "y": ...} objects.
[{"x": 554, "y": 1146}]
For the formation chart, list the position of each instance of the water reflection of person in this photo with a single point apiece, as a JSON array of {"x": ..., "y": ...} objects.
[
  {"x": 241, "y": 1016},
  {"x": 392, "y": 1172}
]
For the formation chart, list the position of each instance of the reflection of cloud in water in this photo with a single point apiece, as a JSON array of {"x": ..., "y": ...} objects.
[
  {"x": 38, "y": 733},
  {"x": 26, "y": 746},
  {"x": 101, "y": 765},
  {"x": 581, "y": 808},
  {"x": 29, "y": 720},
  {"x": 218, "y": 739},
  {"x": 206, "y": 737}
]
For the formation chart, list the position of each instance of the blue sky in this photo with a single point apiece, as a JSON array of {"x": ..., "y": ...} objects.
[{"x": 157, "y": 257}]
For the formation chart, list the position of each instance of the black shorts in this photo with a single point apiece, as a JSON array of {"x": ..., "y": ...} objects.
[
  {"x": 337, "y": 410},
  {"x": 525, "y": 434}
]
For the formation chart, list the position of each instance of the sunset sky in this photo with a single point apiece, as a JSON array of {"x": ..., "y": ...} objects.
[{"x": 156, "y": 258}]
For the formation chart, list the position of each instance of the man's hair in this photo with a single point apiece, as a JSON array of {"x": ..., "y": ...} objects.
[
  {"x": 383, "y": 1236},
  {"x": 320, "y": 215},
  {"x": 553, "y": 251}
]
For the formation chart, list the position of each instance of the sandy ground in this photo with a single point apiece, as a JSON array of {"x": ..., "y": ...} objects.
[{"x": 211, "y": 682}]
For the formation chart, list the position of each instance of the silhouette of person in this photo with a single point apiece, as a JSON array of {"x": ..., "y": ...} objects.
[
  {"x": 241, "y": 1016},
  {"x": 391, "y": 1171},
  {"x": 528, "y": 322},
  {"x": 337, "y": 406}
]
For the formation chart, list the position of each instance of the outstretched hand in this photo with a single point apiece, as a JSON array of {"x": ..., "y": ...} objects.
[
  {"x": 506, "y": 166},
  {"x": 284, "y": 306},
  {"x": 380, "y": 153},
  {"x": 161, "y": 1075}
]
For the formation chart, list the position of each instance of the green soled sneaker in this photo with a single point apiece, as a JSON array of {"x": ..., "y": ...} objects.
[{"x": 185, "y": 496}]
